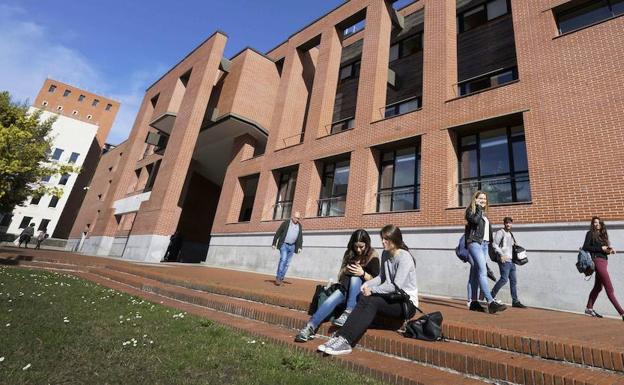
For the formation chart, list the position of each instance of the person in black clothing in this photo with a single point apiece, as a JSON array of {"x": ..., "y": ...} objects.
[
  {"x": 173, "y": 250},
  {"x": 598, "y": 245}
]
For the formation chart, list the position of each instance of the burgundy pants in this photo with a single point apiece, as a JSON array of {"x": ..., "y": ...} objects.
[{"x": 603, "y": 279}]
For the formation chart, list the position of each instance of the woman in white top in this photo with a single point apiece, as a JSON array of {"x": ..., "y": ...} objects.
[{"x": 478, "y": 235}]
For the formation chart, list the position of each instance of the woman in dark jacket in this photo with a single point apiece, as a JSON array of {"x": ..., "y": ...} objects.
[
  {"x": 597, "y": 244},
  {"x": 478, "y": 236}
]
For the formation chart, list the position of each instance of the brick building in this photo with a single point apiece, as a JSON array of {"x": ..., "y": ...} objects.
[
  {"x": 83, "y": 120},
  {"x": 384, "y": 112}
]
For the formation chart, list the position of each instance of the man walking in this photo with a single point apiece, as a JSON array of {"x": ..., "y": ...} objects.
[
  {"x": 288, "y": 239},
  {"x": 503, "y": 245},
  {"x": 26, "y": 235}
]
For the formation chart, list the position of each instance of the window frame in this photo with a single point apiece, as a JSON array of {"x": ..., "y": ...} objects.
[
  {"x": 460, "y": 16},
  {"x": 285, "y": 177},
  {"x": 354, "y": 71},
  {"x": 401, "y": 46},
  {"x": 415, "y": 186},
  {"x": 567, "y": 9},
  {"x": 325, "y": 176}
]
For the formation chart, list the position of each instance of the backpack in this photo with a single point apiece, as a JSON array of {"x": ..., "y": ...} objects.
[
  {"x": 584, "y": 263},
  {"x": 461, "y": 250},
  {"x": 427, "y": 328}
]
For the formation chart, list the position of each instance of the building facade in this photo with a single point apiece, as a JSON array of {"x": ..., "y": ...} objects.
[
  {"x": 83, "y": 120},
  {"x": 385, "y": 112}
]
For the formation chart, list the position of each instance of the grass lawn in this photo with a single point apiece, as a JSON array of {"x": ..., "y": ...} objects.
[{"x": 58, "y": 329}]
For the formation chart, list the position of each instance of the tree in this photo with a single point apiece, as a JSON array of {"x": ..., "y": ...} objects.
[{"x": 25, "y": 144}]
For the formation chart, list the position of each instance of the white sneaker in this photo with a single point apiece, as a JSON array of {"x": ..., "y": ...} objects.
[
  {"x": 326, "y": 345},
  {"x": 342, "y": 319},
  {"x": 340, "y": 347}
]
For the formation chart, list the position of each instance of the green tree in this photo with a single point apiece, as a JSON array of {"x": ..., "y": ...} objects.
[{"x": 25, "y": 144}]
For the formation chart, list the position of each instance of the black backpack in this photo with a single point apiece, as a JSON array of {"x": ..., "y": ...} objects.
[{"x": 427, "y": 328}]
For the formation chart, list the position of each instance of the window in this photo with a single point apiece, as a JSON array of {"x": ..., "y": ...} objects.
[
  {"x": 66, "y": 93},
  {"x": 285, "y": 194},
  {"x": 53, "y": 201},
  {"x": 108, "y": 107},
  {"x": 6, "y": 220},
  {"x": 73, "y": 157},
  {"x": 25, "y": 222},
  {"x": 64, "y": 179},
  {"x": 81, "y": 98},
  {"x": 406, "y": 47},
  {"x": 578, "y": 14},
  {"x": 44, "y": 224},
  {"x": 399, "y": 179},
  {"x": 349, "y": 71},
  {"x": 95, "y": 103},
  {"x": 342, "y": 125},
  {"x": 46, "y": 178},
  {"x": 350, "y": 30},
  {"x": 249, "y": 185},
  {"x": 494, "y": 161},
  {"x": 35, "y": 200},
  {"x": 333, "y": 199},
  {"x": 490, "y": 80},
  {"x": 52, "y": 88},
  {"x": 153, "y": 173},
  {"x": 402, "y": 107},
  {"x": 480, "y": 15},
  {"x": 56, "y": 155}
]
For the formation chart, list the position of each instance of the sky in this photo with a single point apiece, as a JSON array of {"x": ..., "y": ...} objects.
[{"x": 118, "y": 48}]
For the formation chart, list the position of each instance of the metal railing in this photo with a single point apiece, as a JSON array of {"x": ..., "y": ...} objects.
[
  {"x": 456, "y": 87},
  {"x": 393, "y": 195},
  {"x": 343, "y": 125},
  {"x": 332, "y": 207},
  {"x": 383, "y": 111},
  {"x": 288, "y": 142},
  {"x": 500, "y": 189}
]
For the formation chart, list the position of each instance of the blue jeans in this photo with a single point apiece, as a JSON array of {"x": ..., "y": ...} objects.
[
  {"x": 286, "y": 253},
  {"x": 335, "y": 299},
  {"x": 507, "y": 273},
  {"x": 478, "y": 272}
]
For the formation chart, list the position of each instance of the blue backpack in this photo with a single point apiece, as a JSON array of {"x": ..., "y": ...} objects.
[
  {"x": 461, "y": 250},
  {"x": 584, "y": 263}
]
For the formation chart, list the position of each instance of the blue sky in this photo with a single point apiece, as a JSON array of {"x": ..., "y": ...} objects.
[{"x": 118, "y": 48}]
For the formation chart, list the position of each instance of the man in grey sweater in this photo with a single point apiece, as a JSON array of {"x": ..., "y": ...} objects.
[{"x": 503, "y": 245}]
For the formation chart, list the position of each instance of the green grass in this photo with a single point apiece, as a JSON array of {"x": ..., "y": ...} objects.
[{"x": 58, "y": 329}]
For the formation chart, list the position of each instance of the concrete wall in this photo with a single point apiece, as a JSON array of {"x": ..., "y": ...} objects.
[{"x": 549, "y": 280}]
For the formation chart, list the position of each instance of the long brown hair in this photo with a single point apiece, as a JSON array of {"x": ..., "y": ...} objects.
[
  {"x": 473, "y": 201},
  {"x": 359, "y": 235},
  {"x": 393, "y": 234},
  {"x": 599, "y": 235}
]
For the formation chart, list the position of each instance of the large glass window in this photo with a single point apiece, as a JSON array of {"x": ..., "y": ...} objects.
[
  {"x": 399, "y": 179},
  {"x": 249, "y": 185},
  {"x": 64, "y": 179},
  {"x": 285, "y": 194},
  {"x": 25, "y": 222},
  {"x": 477, "y": 16},
  {"x": 349, "y": 71},
  {"x": 494, "y": 161},
  {"x": 406, "y": 47},
  {"x": 335, "y": 179},
  {"x": 56, "y": 155},
  {"x": 53, "y": 201},
  {"x": 73, "y": 157},
  {"x": 578, "y": 14},
  {"x": 43, "y": 225}
]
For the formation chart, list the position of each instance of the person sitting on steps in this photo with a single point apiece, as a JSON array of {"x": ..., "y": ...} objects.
[{"x": 359, "y": 264}]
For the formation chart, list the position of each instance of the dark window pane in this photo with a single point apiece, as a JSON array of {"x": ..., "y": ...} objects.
[
  {"x": 405, "y": 167},
  {"x": 503, "y": 78},
  {"x": 25, "y": 222},
  {"x": 394, "y": 52},
  {"x": 249, "y": 186},
  {"x": 57, "y": 154},
  {"x": 498, "y": 190},
  {"x": 44, "y": 224},
  {"x": 468, "y": 140},
  {"x": 403, "y": 200},
  {"x": 469, "y": 164},
  {"x": 345, "y": 72},
  {"x": 408, "y": 106},
  {"x": 496, "y": 8},
  {"x": 592, "y": 12},
  {"x": 73, "y": 157},
  {"x": 523, "y": 188},
  {"x": 341, "y": 179},
  {"x": 520, "y": 156},
  {"x": 474, "y": 18},
  {"x": 411, "y": 45},
  {"x": 64, "y": 179},
  {"x": 53, "y": 201},
  {"x": 494, "y": 152},
  {"x": 617, "y": 6}
]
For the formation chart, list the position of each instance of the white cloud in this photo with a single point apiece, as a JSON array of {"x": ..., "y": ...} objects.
[{"x": 30, "y": 55}]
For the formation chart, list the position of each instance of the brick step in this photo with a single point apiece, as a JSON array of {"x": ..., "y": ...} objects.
[
  {"x": 582, "y": 352},
  {"x": 384, "y": 368},
  {"x": 480, "y": 361}
]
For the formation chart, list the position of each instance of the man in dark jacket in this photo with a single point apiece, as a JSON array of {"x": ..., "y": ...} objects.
[{"x": 288, "y": 239}]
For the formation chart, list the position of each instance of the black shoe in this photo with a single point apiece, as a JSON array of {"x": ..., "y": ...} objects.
[
  {"x": 476, "y": 306},
  {"x": 495, "y": 307},
  {"x": 518, "y": 304}
]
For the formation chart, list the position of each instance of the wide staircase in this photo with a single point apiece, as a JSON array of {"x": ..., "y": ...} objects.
[{"x": 518, "y": 346}]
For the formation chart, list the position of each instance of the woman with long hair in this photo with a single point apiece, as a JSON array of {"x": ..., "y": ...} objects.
[
  {"x": 359, "y": 264},
  {"x": 398, "y": 271},
  {"x": 598, "y": 245},
  {"x": 478, "y": 235}
]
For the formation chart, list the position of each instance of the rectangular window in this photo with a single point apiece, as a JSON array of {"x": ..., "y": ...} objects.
[
  {"x": 249, "y": 185},
  {"x": 6, "y": 220},
  {"x": 52, "y": 88},
  {"x": 402, "y": 107},
  {"x": 490, "y": 80},
  {"x": 406, "y": 47},
  {"x": 494, "y": 161},
  {"x": 399, "y": 179},
  {"x": 73, "y": 157},
  {"x": 66, "y": 93},
  {"x": 64, "y": 179},
  {"x": 56, "y": 155},
  {"x": 81, "y": 98},
  {"x": 153, "y": 173},
  {"x": 578, "y": 14},
  {"x": 25, "y": 222},
  {"x": 349, "y": 71},
  {"x": 35, "y": 200},
  {"x": 95, "y": 103},
  {"x": 46, "y": 178},
  {"x": 342, "y": 125},
  {"x": 335, "y": 179},
  {"x": 53, "y": 201},
  {"x": 350, "y": 30},
  {"x": 481, "y": 14},
  {"x": 43, "y": 225},
  {"x": 285, "y": 194},
  {"x": 108, "y": 107}
]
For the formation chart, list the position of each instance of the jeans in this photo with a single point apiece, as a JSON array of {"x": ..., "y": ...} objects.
[
  {"x": 335, "y": 299},
  {"x": 507, "y": 273},
  {"x": 286, "y": 253},
  {"x": 478, "y": 272}
]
